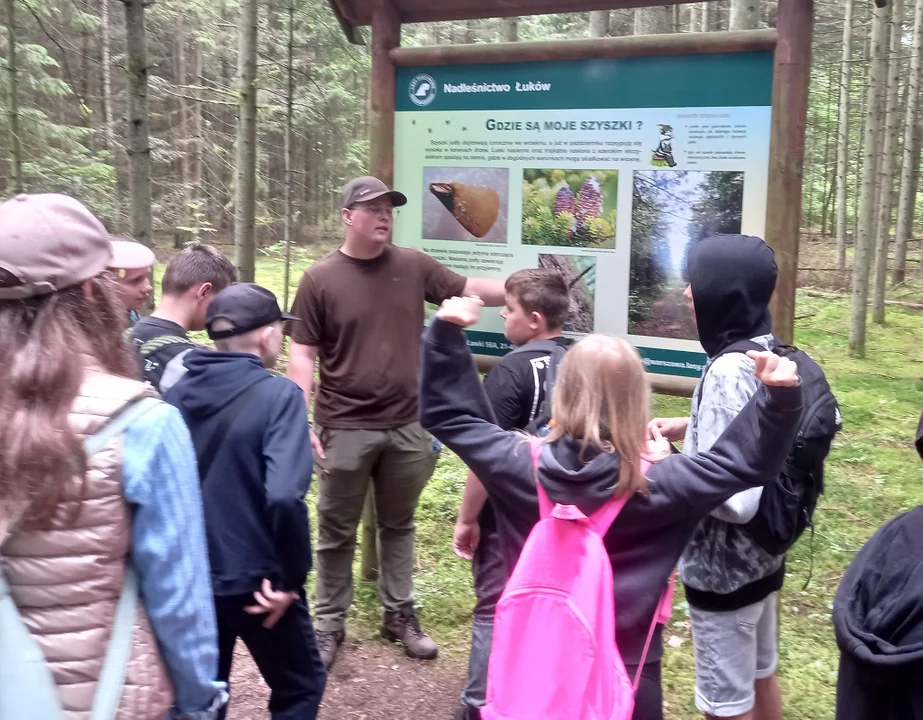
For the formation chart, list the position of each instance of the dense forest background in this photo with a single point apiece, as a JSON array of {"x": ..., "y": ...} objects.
[{"x": 74, "y": 97}]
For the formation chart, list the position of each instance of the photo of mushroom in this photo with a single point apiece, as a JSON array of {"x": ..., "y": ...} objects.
[{"x": 467, "y": 204}]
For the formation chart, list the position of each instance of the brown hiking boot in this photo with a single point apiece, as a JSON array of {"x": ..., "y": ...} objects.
[
  {"x": 405, "y": 627},
  {"x": 328, "y": 644}
]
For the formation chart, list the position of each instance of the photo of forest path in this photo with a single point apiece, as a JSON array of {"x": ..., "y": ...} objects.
[
  {"x": 672, "y": 210},
  {"x": 580, "y": 273}
]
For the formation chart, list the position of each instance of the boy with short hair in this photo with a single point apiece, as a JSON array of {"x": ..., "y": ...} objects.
[
  {"x": 537, "y": 304},
  {"x": 191, "y": 281},
  {"x": 250, "y": 433}
]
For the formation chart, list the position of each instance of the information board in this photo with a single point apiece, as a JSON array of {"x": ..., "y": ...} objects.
[{"x": 606, "y": 170}]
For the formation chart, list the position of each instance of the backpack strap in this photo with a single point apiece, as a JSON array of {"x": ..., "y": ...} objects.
[
  {"x": 740, "y": 346},
  {"x": 602, "y": 518},
  {"x": 661, "y": 616}
]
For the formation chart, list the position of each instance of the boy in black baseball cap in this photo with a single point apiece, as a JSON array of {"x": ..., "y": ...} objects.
[{"x": 250, "y": 433}]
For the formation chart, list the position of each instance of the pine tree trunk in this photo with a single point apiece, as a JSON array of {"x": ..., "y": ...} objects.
[
  {"x": 470, "y": 34},
  {"x": 245, "y": 146},
  {"x": 860, "y": 281},
  {"x": 509, "y": 29},
  {"x": 12, "y": 110},
  {"x": 886, "y": 167},
  {"x": 599, "y": 23},
  {"x": 707, "y": 14},
  {"x": 745, "y": 15},
  {"x": 106, "y": 40},
  {"x": 825, "y": 210},
  {"x": 199, "y": 196},
  {"x": 225, "y": 170},
  {"x": 289, "y": 117},
  {"x": 694, "y": 17},
  {"x": 911, "y": 154},
  {"x": 652, "y": 20},
  {"x": 183, "y": 131},
  {"x": 676, "y": 25},
  {"x": 842, "y": 144},
  {"x": 139, "y": 148}
]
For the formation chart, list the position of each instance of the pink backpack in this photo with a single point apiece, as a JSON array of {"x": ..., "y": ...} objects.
[{"x": 554, "y": 655}]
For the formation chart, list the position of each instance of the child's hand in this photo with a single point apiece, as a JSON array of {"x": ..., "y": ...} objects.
[
  {"x": 464, "y": 311},
  {"x": 465, "y": 539},
  {"x": 774, "y": 370},
  {"x": 656, "y": 447},
  {"x": 673, "y": 429}
]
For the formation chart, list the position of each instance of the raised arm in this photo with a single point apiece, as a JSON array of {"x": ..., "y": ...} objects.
[
  {"x": 749, "y": 453},
  {"x": 490, "y": 290},
  {"x": 454, "y": 408}
]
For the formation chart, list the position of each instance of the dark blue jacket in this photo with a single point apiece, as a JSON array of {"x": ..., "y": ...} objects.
[
  {"x": 256, "y": 519},
  {"x": 646, "y": 539}
]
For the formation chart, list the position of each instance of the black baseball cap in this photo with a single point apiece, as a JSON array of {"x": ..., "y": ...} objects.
[{"x": 247, "y": 307}]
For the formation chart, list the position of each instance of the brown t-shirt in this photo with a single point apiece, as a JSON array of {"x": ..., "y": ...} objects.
[{"x": 366, "y": 318}]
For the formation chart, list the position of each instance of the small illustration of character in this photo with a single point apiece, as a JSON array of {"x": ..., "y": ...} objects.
[{"x": 663, "y": 155}]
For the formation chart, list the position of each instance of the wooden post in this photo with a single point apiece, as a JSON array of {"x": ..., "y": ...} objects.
[
  {"x": 369, "y": 538},
  {"x": 386, "y": 35},
  {"x": 786, "y": 153}
]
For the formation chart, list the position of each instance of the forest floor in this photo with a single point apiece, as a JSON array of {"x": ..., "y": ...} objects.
[
  {"x": 872, "y": 474},
  {"x": 669, "y": 317},
  {"x": 371, "y": 679}
]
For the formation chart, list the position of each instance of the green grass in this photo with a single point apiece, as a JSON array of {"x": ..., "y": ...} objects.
[{"x": 873, "y": 474}]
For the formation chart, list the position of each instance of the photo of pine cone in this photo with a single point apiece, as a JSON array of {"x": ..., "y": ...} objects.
[
  {"x": 589, "y": 202},
  {"x": 565, "y": 202},
  {"x": 569, "y": 208}
]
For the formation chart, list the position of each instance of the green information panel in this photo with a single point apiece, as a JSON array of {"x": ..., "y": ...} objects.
[{"x": 607, "y": 171}]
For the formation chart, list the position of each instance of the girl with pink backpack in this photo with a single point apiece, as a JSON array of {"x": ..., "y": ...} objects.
[{"x": 576, "y": 633}]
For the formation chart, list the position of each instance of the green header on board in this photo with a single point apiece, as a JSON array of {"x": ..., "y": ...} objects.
[{"x": 681, "y": 81}]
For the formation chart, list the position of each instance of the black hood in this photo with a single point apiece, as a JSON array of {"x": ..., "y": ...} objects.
[
  {"x": 214, "y": 380},
  {"x": 586, "y": 479},
  {"x": 878, "y": 610},
  {"x": 732, "y": 278}
]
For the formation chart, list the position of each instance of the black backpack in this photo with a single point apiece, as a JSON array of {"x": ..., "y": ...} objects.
[
  {"x": 787, "y": 505},
  {"x": 539, "y": 425}
]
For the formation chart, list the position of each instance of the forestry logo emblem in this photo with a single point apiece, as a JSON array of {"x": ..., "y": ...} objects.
[{"x": 422, "y": 90}]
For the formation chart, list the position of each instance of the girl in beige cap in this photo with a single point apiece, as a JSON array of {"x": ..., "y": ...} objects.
[{"x": 78, "y": 525}]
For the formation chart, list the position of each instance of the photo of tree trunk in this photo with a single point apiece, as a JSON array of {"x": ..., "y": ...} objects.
[
  {"x": 569, "y": 208},
  {"x": 580, "y": 273},
  {"x": 672, "y": 210}
]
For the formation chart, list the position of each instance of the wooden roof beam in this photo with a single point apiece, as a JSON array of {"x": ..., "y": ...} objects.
[{"x": 615, "y": 47}]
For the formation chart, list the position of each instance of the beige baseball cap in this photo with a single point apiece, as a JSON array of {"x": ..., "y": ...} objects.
[
  {"x": 49, "y": 243},
  {"x": 366, "y": 189},
  {"x": 131, "y": 255}
]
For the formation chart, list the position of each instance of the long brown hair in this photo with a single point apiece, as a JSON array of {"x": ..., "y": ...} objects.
[
  {"x": 44, "y": 344},
  {"x": 602, "y": 397}
]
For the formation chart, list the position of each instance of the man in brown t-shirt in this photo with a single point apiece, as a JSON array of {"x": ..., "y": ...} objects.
[{"x": 362, "y": 312}]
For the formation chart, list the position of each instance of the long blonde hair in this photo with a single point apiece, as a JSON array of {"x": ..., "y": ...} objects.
[{"x": 602, "y": 397}]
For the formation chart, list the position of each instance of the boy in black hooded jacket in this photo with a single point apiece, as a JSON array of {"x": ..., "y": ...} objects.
[{"x": 731, "y": 582}]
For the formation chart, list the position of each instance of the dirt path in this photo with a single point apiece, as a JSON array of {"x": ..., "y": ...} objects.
[
  {"x": 669, "y": 318},
  {"x": 371, "y": 680}
]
